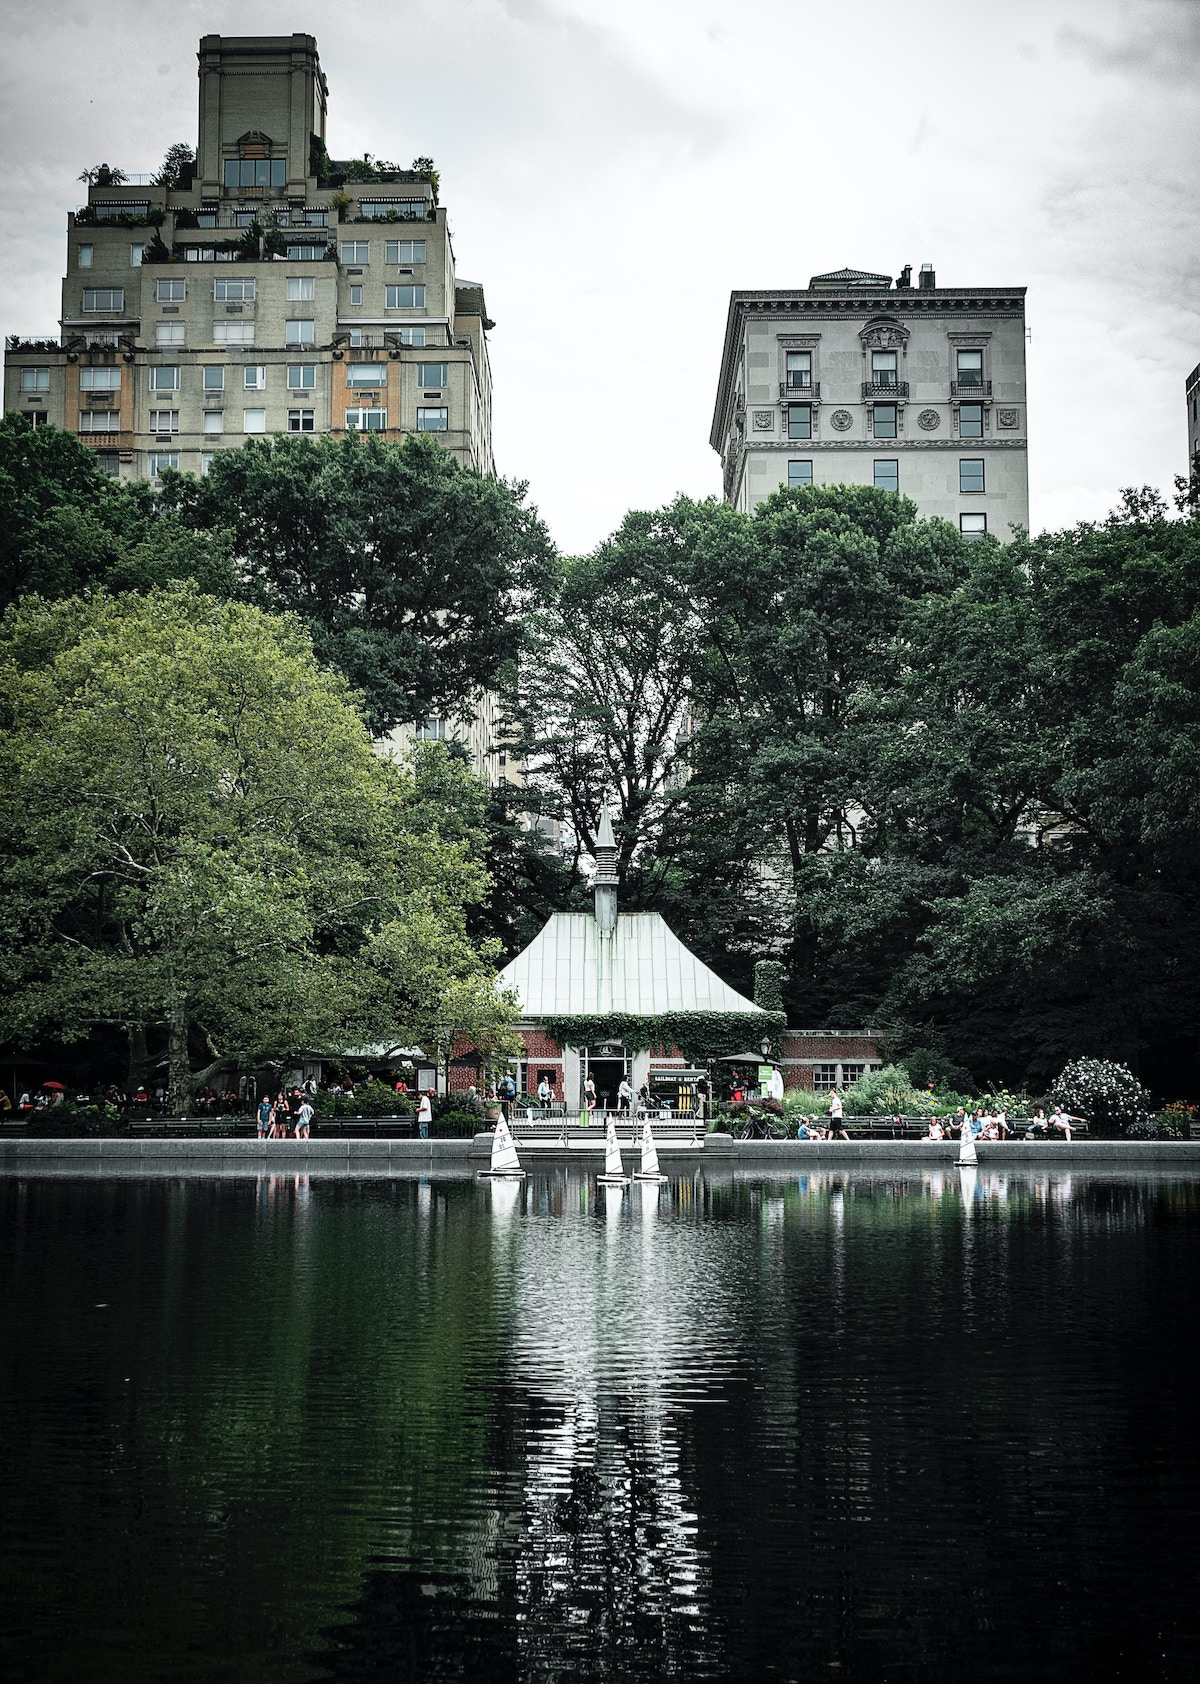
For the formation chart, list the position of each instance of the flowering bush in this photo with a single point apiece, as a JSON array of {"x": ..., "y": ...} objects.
[{"x": 1105, "y": 1092}]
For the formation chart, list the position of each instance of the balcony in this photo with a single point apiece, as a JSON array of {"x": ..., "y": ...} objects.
[
  {"x": 885, "y": 388},
  {"x": 800, "y": 391},
  {"x": 976, "y": 391}
]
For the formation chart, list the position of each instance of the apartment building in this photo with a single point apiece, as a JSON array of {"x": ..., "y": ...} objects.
[
  {"x": 856, "y": 380},
  {"x": 1192, "y": 398},
  {"x": 263, "y": 289}
]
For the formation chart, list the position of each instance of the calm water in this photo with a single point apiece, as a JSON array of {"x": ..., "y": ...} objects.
[{"x": 827, "y": 1427}]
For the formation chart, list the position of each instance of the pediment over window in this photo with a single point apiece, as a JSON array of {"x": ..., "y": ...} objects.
[{"x": 883, "y": 334}]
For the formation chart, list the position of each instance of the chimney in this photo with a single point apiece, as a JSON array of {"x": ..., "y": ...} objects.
[
  {"x": 605, "y": 882},
  {"x": 928, "y": 280}
]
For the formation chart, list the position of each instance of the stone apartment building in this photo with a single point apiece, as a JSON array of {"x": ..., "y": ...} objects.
[
  {"x": 1192, "y": 396},
  {"x": 856, "y": 380},
  {"x": 270, "y": 289}
]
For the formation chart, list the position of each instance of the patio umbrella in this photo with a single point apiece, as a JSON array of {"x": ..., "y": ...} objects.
[{"x": 57, "y": 1085}]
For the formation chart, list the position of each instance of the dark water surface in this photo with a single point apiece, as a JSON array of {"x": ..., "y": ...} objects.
[{"x": 852, "y": 1427}]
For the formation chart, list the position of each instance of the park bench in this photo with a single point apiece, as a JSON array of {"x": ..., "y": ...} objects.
[{"x": 534, "y": 1129}]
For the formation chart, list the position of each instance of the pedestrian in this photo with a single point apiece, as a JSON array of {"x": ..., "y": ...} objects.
[
  {"x": 589, "y": 1096},
  {"x": 702, "y": 1092},
  {"x": 304, "y": 1119},
  {"x": 424, "y": 1115},
  {"x": 279, "y": 1116},
  {"x": 836, "y": 1107},
  {"x": 265, "y": 1116},
  {"x": 545, "y": 1094},
  {"x": 624, "y": 1096},
  {"x": 508, "y": 1092}
]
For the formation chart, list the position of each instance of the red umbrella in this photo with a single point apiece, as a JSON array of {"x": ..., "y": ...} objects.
[{"x": 57, "y": 1085}]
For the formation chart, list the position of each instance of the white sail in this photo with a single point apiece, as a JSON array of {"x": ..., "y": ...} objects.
[
  {"x": 504, "y": 1151},
  {"x": 966, "y": 1147},
  {"x": 612, "y": 1152},
  {"x": 649, "y": 1150}
]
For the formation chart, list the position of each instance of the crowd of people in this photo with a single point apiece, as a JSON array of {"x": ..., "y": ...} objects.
[{"x": 987, "y": 1122}]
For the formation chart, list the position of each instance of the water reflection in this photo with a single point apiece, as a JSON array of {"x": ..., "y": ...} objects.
[{"x": 731, "y": 1426}]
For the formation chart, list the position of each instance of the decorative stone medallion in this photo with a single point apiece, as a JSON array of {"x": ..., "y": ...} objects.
[
  {"x": 929, "y": 420},
  {"x": 841, "y": 420},
  {"x": 764, "y": 420},
  {"x": 1006, "y": 418}
]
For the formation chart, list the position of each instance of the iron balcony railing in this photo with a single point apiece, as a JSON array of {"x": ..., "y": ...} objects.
[
  {"x": 970, "y": 388},
  {"x": 799, "y": 386},
  {"x": 885, "y": 388}
]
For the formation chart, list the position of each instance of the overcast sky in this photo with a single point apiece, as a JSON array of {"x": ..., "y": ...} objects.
[{"x": 613, "y": 168}]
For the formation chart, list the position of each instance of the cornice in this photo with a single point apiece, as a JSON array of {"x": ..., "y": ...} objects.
[{"x": 881, "y": 447}]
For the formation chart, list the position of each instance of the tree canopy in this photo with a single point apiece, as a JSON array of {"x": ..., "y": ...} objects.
[{"x": 200, "y": 845}]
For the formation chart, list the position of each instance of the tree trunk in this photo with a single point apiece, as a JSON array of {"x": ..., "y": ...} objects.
[
  {"x": 182, "y": 1082},
  {"x": 139, "y": 1057}
]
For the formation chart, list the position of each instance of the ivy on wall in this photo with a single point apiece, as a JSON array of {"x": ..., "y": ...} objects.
[{"x": 698, "y": 1035}]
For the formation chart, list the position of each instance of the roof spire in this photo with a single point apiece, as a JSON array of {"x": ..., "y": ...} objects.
[{"x": 605, "y": 882}]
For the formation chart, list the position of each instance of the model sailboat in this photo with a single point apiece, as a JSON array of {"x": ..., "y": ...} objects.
[
  {"x": 649, "y": 1170},
  {"x": 614, "y": 1171},
  {"x": 505, "y": 1161}
]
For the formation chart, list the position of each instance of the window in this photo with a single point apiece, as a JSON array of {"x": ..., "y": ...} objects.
[
  {"x": 431, "y": 374},
  {"x": 970, "y": 474},
  {"x": 404, "y": 298},
  {"x": 233, "y": 292},
  {"x": 970, "y": 368},
  {"x": 365, "y": 374},
  {"x": 168, "y": 333},
  {"x": 158, "y": 461},
  {"x": 164, "y": 420},
  {"x": 164, "y": 379},
  {"x": 317, "y": 218},
  {"x": 973, "y": 525},
  {"x": 136, "y": 254},
  {"x": 206, "y": 461},
  {"x": 799, "y": 421},
  {"x": 356, "y": 295},
  {"x": 104, "y": 337},
  {"x": 431, "y": 731},
  {"x": 255, "y": 172},
  {"x": 366, "y": 420},
  {"x": 206, "y": 219},
  {"x": 883, "y": 368},
  {"x": 300, "y": 420},
  {"x": 414, "y": 209},
  {"x": 852, "y": 1074},
  {"x": 105, "y": 212},
  {"x": 37, "y": 417},
  {"x": 254, "y": 378},
  {"x": 100, "y": 421},
  {"x": 254, "y": 420},
  {"x": 245, "y": 219},
  {"x": 433, "y": 421},
  {"x": 103, "y": 298},
  {"x": 970, "y": 421},
  {"x": 824, "y": 1076},
  {"x": 356, "y": 251},
  {"x": 100, "y": 379},
  {"x": 405, "y": 251},
  {"x": 233, "y": 333},
  {"x": 109, "y": 462},
  {"x": 412, "y": 336},
  {"x": 214, "y": 421},
  {"x": 38, "y": 379},
  {"x": 299, "y": 333},
  {"x": 887, "y": 474},
  {"x": 799, "y": 369},
  {"x": 305, "y": 254},
  {"x": 214, "y": 379},
  {"x": 885, "y": 420},
  {"x": 800, "y": 473},
  {"x": 302, "y": 377},
  {"x": 300, "y": 289},
  {"x": 170, "y": 292},
  {"x": 84, "y": 256}
]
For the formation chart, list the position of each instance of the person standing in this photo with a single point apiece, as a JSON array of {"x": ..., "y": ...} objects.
[
  {"x": 545, "y": 1094},
  {"x": 507, "y": 1092},
  {"x": 424, "y": 1115},
  {"x": 304, "y": 1119},
  {"x": 702, "y": 1093},
  {"x": 589, "y": 1096},
  {"x": 265, "y": 1117},
  {"x": 625, "y": 1096}
]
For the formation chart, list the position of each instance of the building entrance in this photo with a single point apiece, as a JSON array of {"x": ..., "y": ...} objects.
[{"x": 606, "y": 1065}]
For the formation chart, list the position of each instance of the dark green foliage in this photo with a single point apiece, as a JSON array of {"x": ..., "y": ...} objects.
[
  {"x": 698, "y": 1035},
  {"x": 409, "y": 571}
]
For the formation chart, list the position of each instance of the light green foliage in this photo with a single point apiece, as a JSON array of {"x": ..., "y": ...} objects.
[
  {"x": 199, "y": 840},
  {"x": 887, "y": 1092}
]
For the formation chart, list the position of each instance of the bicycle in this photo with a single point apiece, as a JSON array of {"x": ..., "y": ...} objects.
[{"x": 759, "y": 1125}]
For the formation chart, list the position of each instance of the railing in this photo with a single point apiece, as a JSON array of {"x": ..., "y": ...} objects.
[
  {"x": 970, "y": 388},
  {"x": 793, "y": 387},
  {"x": 885, "y": 388}
]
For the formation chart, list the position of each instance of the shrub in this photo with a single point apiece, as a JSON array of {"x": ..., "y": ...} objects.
[
  {"x": 453, "y": 1125},
  {"x": 1108, "y": 1094},
  {"x": 887, "y": 1092},
  {"x": 804, "y": 1102}
]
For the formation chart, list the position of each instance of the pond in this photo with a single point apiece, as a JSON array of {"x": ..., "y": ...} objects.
[{"x": 739, "y": 1426}]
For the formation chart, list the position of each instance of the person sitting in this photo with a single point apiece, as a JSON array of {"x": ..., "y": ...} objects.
[
  {"x": 1061, "y": 1120},
  {"x": 804, "y": 1131},
  {"x": 1037, "y": 1123},
  {"x": 936, "y": 1132}
]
